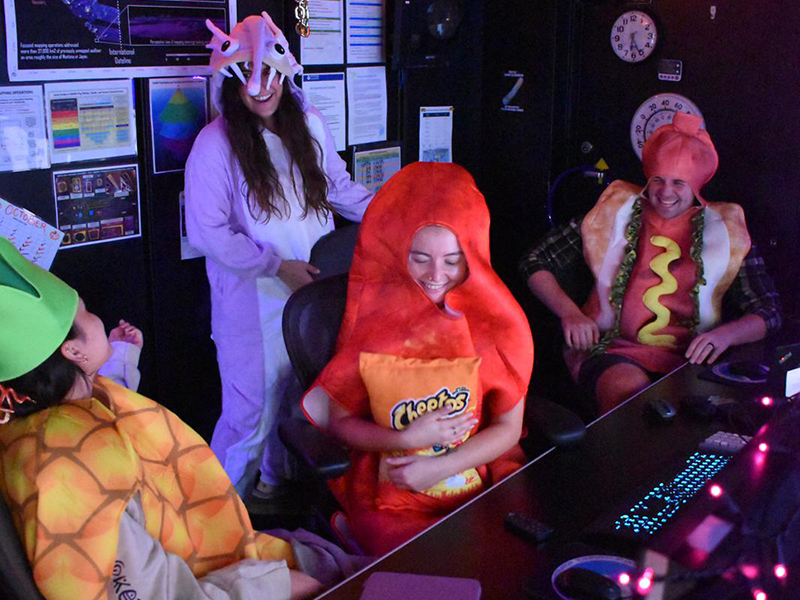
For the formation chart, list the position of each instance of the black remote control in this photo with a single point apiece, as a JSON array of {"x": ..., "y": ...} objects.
[{"x": 527, "y": 527}]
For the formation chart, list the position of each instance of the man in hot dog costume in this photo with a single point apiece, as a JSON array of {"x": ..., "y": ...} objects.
[{"x": 675, "y": 277}]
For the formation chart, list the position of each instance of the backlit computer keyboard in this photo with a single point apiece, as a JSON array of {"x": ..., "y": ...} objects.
[{"x": 649, "y": 514}]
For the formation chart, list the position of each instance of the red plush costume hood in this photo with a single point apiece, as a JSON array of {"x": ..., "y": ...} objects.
[{"x": 387, "y": 312}]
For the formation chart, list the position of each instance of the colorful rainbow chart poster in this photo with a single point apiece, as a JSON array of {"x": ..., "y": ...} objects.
[
  {"x": 178, "y": 111},
  {"x": 90, "y": 120}
]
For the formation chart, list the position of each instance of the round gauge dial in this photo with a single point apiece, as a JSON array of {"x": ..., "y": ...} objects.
[
  {"x": 656, "y": 111},
  {"x": 444, "y": 17},
  {"x": 634, "y": 36}
]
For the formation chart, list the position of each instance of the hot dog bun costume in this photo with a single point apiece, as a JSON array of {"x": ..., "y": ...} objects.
[
  {"x": 658, "y": 282},
  {"x": 393, "y": 336},
  {"x": 69, "y": 471}
]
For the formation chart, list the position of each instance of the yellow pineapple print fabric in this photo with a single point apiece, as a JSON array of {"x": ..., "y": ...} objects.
[{"x": 68, "y": 472}]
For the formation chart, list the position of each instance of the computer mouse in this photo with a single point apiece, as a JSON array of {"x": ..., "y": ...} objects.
[
  {"x": 661, "y": 408},
  {"x": 583, "y": 584},
  {"x": 750, "y": 369}
]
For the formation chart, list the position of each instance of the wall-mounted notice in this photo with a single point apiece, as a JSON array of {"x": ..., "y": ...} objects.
[
  {"x": 97, "y": 205},
  {"x": 436, "y": 133},
  {"x": 90, "y": 119},
  {"x": 365, "y": 27},
  {"x": 326, "y": 92},
  {"x": 93, "y": 39},
  {"x": 36, "y": 240},
  {"x": 366, "y": 105},
  {"x": 23, "y": 142},
  {"x": 325, "y": 45},
  {"x": 374, "y": 167},
  {"x": 177, "y": 114}
]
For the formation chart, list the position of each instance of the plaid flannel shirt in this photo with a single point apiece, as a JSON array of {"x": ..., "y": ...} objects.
[{"x": 752, "y": 292}]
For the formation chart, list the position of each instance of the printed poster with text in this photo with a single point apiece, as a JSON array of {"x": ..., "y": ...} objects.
[
  {"x": 177, "y": 114},
  {"x": 90, "y": 119},
  {"x": 97, "y": 205},
  {"x": 23, "y": 142},
  {"x": 101, "y": 39}
]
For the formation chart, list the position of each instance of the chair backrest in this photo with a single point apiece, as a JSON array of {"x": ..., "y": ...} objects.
[
  {"x": 16, "y": 579},
  {"x": 333, "y": 252},
  {"x": 311, "y": 322}
]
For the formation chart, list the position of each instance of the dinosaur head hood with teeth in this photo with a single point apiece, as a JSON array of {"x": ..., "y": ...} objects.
[{"x": 255, "y": 40}]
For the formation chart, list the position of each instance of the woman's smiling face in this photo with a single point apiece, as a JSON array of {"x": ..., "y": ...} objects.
[
  {"x": 436, "y": 262},
  {"x": 265, "y": 104}
]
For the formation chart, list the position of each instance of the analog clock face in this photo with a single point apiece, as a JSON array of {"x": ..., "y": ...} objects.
[
  {"x": 633, "y": 36},
  {"x": 655, "y": 112}
]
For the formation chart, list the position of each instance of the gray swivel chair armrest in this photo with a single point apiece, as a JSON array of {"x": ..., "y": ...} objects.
[
  {"x": 324, "y": 455},
  {"x": 559, "y": 425}
]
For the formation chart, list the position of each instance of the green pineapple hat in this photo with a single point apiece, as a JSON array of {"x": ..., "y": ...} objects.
[{"x": 37, "y": 310}]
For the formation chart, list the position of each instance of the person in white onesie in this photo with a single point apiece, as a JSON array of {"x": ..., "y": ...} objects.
[{"x": 262, "y": 182}]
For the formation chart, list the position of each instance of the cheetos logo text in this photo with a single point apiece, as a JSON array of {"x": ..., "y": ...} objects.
[{"x": 405, "y": 411}]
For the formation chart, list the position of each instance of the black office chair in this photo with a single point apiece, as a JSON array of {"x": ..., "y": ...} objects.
[
  {"x": 333, "y": 252},
  {"x": 16, "y": 578},
  {"x": 311, "y": 321}
]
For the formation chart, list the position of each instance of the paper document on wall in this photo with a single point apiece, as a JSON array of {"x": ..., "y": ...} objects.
[
  {"x": 325, "y": 45},
  {"x": 365, "y": 27},
  {"x": 366, "y": 104},
  {"x": 326, "y": 92},
  {"x": 36, "y": 240},
  {"x": 23, "y": 141},
  {"x": 436, "y": 133}
]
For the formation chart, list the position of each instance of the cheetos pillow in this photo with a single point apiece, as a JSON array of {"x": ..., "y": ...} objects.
[{"x": 402, "y": 390}]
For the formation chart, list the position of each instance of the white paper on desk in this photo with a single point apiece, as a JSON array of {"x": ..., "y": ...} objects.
[
  {"x": 36, "y": 240},
  {"x": 326, "y": 92},
  {"x": 325, "y": 45},
  {"x": 436, "y": 133},
  {"x": 90, "y": 119},
  {"x": 23, "y": 138},
  {"x": 365, "y": 27},
  {"x": 366, "y": 105}
]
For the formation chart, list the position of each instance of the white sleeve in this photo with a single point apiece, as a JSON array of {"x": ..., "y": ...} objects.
[
  {"x": 123, "y": 366},
  {"x": 350, "y": 199},
  {"x": 143, "y": 569}
]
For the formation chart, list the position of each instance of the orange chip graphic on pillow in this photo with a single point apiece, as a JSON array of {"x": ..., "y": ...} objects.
[{"x": 404, "y": 389}]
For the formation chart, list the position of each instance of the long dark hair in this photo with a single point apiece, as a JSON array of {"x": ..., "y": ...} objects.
[
  {"x": 265, "y": 195},
  {"x": 49, "y": 383}
]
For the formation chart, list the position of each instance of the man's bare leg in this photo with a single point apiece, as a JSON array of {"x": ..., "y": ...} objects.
[{"x": 617, "y": 384}]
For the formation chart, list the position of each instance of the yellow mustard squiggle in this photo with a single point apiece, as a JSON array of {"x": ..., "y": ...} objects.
[{"x": 668, "y": 285}]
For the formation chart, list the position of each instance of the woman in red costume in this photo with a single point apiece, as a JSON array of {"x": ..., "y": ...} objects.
[{"x": 423, "y": 298}]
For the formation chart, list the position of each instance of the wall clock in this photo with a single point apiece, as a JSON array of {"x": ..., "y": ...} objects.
[
  {"x": 633, "y": 36},
  {"x": 656, "y": 111}
]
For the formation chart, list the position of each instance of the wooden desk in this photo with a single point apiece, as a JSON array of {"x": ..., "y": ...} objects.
[{"x": 623, "y": 456}]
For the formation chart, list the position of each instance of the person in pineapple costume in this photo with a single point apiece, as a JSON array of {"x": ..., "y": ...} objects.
[{"x": 108, "y": 490}]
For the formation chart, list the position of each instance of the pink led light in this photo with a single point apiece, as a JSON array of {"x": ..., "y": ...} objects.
[
  {"x": 624, "y": 579},
  {"x": 780, "y": 571},
  {"x": 645, "y": 582},
  {"x": 763, "y": 447},
  {"x": 749, "y": 571},
  {"x": 759, "y": 594},
  {"x": 715, "y": 491},
  {"x": 766, "y": 401}
]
